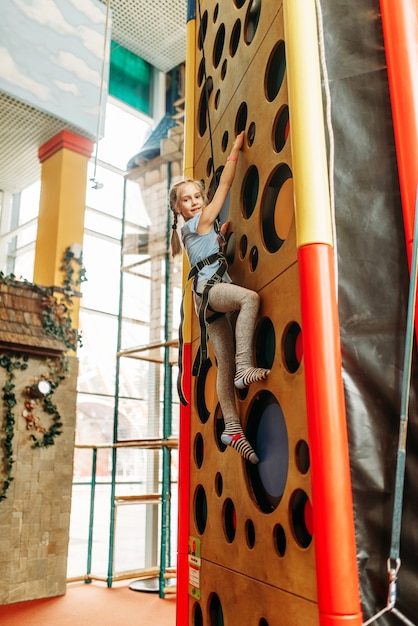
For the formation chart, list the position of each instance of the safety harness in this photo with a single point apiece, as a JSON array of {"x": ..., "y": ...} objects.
[{"x": 204, "y": 321}]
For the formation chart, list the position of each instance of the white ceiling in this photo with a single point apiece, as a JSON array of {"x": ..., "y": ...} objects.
[{"x": 155, "y": 30}]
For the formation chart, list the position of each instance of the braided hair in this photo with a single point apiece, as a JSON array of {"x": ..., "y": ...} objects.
[{"x": 176, "y": 247}]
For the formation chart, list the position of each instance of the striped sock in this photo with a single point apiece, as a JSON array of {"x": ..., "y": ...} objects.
[
  {"x": 233, "y": 436},
  {"x": 244, "y": 378}
]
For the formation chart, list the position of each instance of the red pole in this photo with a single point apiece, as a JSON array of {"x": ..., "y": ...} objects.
[
  {"x": 182, "y": 604},
  {"x": 335, "y": 548},
  {"x": 400, "y": 32}
]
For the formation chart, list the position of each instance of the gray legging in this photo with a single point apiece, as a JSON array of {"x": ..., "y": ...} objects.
[{"x": 230, "y": 298}]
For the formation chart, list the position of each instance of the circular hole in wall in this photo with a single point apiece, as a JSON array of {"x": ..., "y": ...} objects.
[
  {"x": 217, "y": 99},
  {"x": 275, "y": 70},
  {"x": 251, "y": 20},
  {"x": 223, "y": 69},
  {"x": 198, "y": 450},
  {"x": 250, "y": 533},
  {"x": 219, "y": 484},
  {"x": 241, "y": 118},
  {"x": 302, "y": 456},
  {"x": 209, "y": 167},
  {"x": 202, "y": 30},
  {"x": 215, "y": 12},
  {"x": 253, "y": 258},
  {"x": 243, "y": 245},
  {"x": 251, "y": 134},
  {"x": 200, "y": 509},
  {"x": 204, "y": 383},
  {"x": 216, "y": 617},
  {"x": 265, "y": 343},
  {"x": 263, "y": 622},
  {"x": 224, "y": 214},
  {"x": 229, "y": 520},
  {"x": 203, "y": 105},
  {"x": 219, "y": 427},
  {"x": 277, "y": 208},
  {"x": 224, "y": 143},
  {"x": 301, "y": 518},
  {"x": 213, "y": 185},
  {"x": 292, "y": 347},
  {"x": 201, "y": 72},
  {"x": 235, "y": 37},
  {"x": 242, "y": 393},
  {"x": 250, "y": 187},
  {"x": 230, "y": 248},
  {"x": 239, "y": 3},
  {"x": 281, "y": 128},
  {"x": 267, "y": 429},
  {"x": 218, "y": 45},
  {"x": 197, "y": 615},
  {"x": 279, "y": 537}
]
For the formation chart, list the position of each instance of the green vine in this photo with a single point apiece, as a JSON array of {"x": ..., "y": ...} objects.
[
  {"x": 33, "y": 422},
  {"x": 70, "y": 281},
  {"x": 9, "y": 399},
  {"x": 11, "y": 364}
]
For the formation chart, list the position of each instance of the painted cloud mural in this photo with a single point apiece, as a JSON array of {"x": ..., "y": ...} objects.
[{"x": 53, "y": 54}]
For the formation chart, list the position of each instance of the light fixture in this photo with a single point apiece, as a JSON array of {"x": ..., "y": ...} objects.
[
  {"x": 95, "y": 183},
  {"x": 40, "y": 389}
]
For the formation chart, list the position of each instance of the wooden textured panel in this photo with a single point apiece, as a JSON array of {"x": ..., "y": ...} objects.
[
  {"x": 256, "y": 571},
  {"x": 246, "y": 602}
]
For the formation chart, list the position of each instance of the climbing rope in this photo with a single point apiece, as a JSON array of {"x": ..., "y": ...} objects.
[
  {"x": 394, "y": 561},
  {"x": 330, "y": 131}
]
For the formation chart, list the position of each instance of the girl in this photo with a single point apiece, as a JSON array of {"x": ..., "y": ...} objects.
[{"x": 214, "y": 295}]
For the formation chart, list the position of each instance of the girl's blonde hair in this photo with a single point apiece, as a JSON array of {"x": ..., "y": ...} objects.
[{"x": 175, "y": 239}]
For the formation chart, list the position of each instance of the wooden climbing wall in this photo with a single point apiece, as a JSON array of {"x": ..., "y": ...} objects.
[{"x": 251, "y": 544}]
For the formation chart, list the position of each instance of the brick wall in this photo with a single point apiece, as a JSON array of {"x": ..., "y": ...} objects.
[{"x": 35, "y": 516}]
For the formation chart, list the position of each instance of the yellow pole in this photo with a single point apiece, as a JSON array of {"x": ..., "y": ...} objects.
[
  {"x": 313, "y": 213},
  {"x": 64, "y": 161},
  {"x": 189, "y": 135},
  {"x": 189, "y": 129}
]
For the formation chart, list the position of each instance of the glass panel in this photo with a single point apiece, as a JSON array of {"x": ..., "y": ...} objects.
[
  {"x": 102, "y": 223},
  {"x": 97, "y": 355},
  {"x": 80, "y": 514},
  {"x": 108, "y": 198},
  {"x": 133, "y": 418},
  {"x": 29, "y": 203},
  {"x": 135, "y": 209},
  {"x": 136, "y": 296},
  {"x": 27, "y": 235},
  {"x": 24, "y": 263},
  {"x": 125, "y": 133},
  {"x": 94, "y": 419},
  {"x": 101, "y": 259},
  {"x": 133, "y": 380}
]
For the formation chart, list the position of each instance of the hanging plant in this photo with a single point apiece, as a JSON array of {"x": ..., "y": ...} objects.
[
  {"x": 38, "y": 395},
  {"x": 37, "y": 398},
  {"x": 72, "y": 255},
  {"x": 56, "y": 322},
  {"x": 10, "y": 364}
]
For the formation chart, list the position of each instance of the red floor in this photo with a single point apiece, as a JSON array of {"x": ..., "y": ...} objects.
[{"x": 93, "y": 605}]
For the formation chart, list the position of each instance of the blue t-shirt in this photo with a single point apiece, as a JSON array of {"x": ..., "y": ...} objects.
[{"x": 199, "y": 247}]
